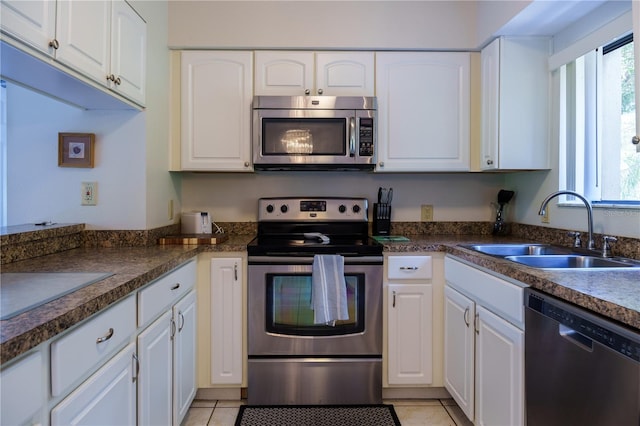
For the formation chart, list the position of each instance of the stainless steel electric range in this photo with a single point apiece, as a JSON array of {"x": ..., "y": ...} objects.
[{"x": 291, "y": 359}]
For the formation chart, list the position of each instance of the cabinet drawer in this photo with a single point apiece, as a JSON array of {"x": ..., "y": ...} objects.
[
  {"x": 409, "y": 267},
  {"x": 22, "y": 390},
  {"x": 501, "y": 297},
  {"x": 75, "y": 354},
  {"x": 166, "y": 290}
]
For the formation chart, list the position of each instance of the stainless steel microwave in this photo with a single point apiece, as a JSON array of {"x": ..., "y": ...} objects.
[{"x": 314, "y": 132}]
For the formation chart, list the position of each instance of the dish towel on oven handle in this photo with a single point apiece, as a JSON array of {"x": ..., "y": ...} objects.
[{"x": 328, "y": 289}]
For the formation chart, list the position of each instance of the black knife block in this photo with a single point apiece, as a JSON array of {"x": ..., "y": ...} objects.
[{"x": 381, "y": 219}]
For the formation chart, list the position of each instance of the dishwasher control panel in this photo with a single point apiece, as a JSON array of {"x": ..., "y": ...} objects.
[{"x": 617, "y": 338}]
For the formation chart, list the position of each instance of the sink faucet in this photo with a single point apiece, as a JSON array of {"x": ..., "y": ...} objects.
[{"x": 590, "y": 244}]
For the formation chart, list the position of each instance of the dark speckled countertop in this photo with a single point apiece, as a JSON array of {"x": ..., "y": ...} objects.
[
  {"x": 132, "y": 268},
  {"x": 614, "y": 294}
]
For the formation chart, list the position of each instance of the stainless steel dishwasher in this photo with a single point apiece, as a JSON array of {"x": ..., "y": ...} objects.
[{"x": 580, "y": 369}]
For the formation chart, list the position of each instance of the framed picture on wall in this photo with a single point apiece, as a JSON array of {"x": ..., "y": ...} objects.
[{"x": 75, "y": 149}]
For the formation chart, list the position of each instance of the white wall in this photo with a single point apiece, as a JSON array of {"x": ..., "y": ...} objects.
[
  {"x": 455, "y": 197},
  {"x": 131, "y": 156},
  {"x": 322, "y": 24},
  {"x": 39, "y": 190}
]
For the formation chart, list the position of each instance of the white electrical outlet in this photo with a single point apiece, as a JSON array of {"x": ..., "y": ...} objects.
[
  {"x": 89, "y": 195},
  {"x": 426, "y": 213}
]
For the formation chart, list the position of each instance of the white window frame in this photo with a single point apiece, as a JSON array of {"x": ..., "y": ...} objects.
[{"x": 580, "y": 165}]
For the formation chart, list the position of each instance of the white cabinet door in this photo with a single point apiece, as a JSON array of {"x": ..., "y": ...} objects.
[
  {"x": 515, "y": 104},
  {"x": 155, "y": 378},
  {"x": 226, "y": 321},
  {"x": 500, "y": 371},
  {"x": 32, "y": 22},
  {"x": 184, "y": 356},
  {"x": 410, "y": 329},
  {"x": 216, "y": 93},
  {"x": 108, "y": 397},
  {"x": 459, "y": 369},
  {"x": 128, "y": 52},
  {"x": 84, "y": 36},
  {"x": 284, "y": 73},
  {"x": 22, "y": 387},
  {"x": 308, "y": 73},
  {"x": 423, "y": 111},
  {"x": 345, "y": 73}
]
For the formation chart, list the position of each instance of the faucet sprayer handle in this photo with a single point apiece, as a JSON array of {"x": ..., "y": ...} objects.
[
  {"x": 577, "y": 242},
  {"x": 606, "y": 247}
]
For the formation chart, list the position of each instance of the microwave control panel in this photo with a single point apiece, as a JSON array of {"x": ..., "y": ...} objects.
[{"x": 365, "y": 148}]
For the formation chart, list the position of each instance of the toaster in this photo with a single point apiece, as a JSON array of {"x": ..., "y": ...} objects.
[{"x": 196, "y": 223}]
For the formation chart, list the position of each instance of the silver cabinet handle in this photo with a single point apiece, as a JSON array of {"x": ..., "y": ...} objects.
[
  {"x": 176, "y": 286},
  {"x": 54, "y": 43},
  {"x": 135, "y": 358},
  {"x": 409, "y": 268},
  {"x": 106, "y": 337},
  {"x": 320, "y": 91},
  {"x": 307, "y": 91},
  {"x": 394, "y": 299},
  {"x": 489, "y": 162},
  {"x": 634, "y": 140},
  {"x": 246, "y": 164},
  {"x": 111, "y": 77},
  {"x": 235, "y": 271},
  {"x": 118, "y": 81},
  {"x": 173, "y": 329},
  {"x": 466, "y": 316},
  {"x": 382, "y": 164},
  {"x": 477, "y": 326},
  {"x": 181, "y": 322}
]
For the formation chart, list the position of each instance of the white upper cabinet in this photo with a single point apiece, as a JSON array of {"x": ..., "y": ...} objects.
[
  {"x": 32, "y": 22},
  {"x": 128, "y": 53},
  {"x": 83, "y": 37},
  {"x": 515, "y": 104},
  {"x": 285, "y": 73},
  {"x": 423, "y": 111},
  {"x": 216, "y": 93},
  {"x": 104, "y": 41}
]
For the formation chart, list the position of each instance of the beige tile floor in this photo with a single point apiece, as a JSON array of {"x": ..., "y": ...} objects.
[{"x": 433, "y": 412}]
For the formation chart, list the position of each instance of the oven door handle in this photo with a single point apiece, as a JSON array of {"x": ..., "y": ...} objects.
[{"x": 308, "y": 260}]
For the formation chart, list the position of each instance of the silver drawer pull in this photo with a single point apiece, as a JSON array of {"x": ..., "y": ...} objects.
[
  {"x": 175, "y": 287},
  {"x": 106, "y": 337},
  {"x": 408, "y": 268}
]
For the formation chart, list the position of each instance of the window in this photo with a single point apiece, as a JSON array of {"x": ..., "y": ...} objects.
[{"x": 597, "y": 123}]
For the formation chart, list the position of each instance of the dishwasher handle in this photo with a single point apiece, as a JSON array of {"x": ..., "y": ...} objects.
[{"x": 576, "y": 338}]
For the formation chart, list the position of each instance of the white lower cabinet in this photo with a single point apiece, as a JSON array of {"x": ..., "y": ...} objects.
[
  {"x": 166, "y": 348},
  {"x": 184, "y": 356},
  {"x": 226, "y": 321},
  {"x": 155, "y": 354},
  {"x": 410, "y": 333},
  {"x": 108, "y": 397},
  {"x": 484, "y": 345},
  {"x": 166, "y": 352},
  {"x": 22, "y": 391},
  {"x": 410, "y": 318}
]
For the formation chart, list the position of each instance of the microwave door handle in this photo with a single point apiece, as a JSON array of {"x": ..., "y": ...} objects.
[{"x": 352, "y": 136}]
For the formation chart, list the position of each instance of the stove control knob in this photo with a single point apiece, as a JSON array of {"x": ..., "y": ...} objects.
[
  {"x": 356, "y": 208},
  {"x": 284, "y": 208},
  {"x": 342, "y": 208},
  {"x": 270, "y": 208}
]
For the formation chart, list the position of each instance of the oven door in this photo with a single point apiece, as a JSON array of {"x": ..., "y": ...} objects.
[{"x": 280, "y": 319}]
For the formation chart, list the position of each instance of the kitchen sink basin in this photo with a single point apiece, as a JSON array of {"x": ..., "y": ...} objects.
[
  {"x": 571, "y": 261},
  {"x": 516, "y": 249}
]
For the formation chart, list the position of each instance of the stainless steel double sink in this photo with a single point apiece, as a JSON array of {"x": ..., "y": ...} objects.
[{"x": 546, "y": 256}]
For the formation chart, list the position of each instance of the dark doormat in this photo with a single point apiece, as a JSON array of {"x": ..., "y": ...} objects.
[{"x": 317, "y": 415}]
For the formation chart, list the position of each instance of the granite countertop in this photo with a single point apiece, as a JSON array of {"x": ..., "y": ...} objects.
[
  {"x": 132, "y": 268},
  {"x": 614, "y": 294}
]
